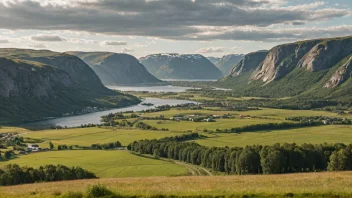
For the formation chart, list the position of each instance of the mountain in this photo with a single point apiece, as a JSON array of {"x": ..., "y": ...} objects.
[
  {"x": 213, "y": 60},
  {"x": 117, "y": 69},
  {"x": 319, "y": 68},
  {"x": 39, "y": 84},
  {"x": 226, "y": 63},
  {"x": 176, "y": 66}
]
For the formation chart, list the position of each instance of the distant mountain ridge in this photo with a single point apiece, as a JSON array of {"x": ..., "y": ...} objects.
[
  {"x": 118, "y": 69},
  {"x": 181, "y": 66},
  {"x": 319, "y": 68},
  {"x": 35, "y": 84},
  {"x": 226, "y": 63}
]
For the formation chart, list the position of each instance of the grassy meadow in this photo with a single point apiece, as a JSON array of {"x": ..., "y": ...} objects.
[
  {"x": 105, "y": 164},
  {"x": 89, "y": 136},
  {"x": 332, "y": 184},
  {"x": 314, "y": 135}
]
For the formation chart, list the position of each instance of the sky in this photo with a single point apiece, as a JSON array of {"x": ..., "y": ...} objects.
[{"x": 143, "y": 27}]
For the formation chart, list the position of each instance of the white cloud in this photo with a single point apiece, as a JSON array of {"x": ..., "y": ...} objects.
[
  {"x": 126, "y": 50},
  {"x": 37, "y": 46},
  {"x": 47, "y": 38},
  {"x": 211, "y": 50},
  {"x": 114, "y": 43}
]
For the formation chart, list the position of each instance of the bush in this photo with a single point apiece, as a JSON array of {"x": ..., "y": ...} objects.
[
  {"x": 99, "y": 190},
  {"x": 72, "y": 195}
]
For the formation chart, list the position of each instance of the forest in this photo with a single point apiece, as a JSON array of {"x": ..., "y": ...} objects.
[{"x": 256, "y": 159}]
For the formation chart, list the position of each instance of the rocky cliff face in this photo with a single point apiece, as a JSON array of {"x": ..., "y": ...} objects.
[
  {"x": 175, "y": 66},
  {"x": 326, "y": 53},
  {"x": 249, "y": 63},
  {"x": 226, "y": 63},
  {"x": 20, "y": 78},
  {"x": 341, "y": 75},
  {"x": 117, "y": 69},
  {"x": 39, "y": 84},
  {"x": 304, "y": 67},
  {"x": 80, "y": 72}
]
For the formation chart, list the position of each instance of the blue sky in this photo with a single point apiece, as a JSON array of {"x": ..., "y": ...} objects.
[{"x": 142, "y": 27}]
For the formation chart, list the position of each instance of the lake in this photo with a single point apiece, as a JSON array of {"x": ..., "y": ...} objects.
[
  {"x": 94, "y": 118},
  {"x": 167, "y": 88}
]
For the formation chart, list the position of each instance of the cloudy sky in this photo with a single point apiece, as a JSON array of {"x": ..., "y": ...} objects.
[{"x": 142, "y": 27}]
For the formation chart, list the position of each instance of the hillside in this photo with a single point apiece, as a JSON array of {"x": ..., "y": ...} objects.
[
  {"x": 117, "y": 69},
  {"x": 319, "y": 68},
  {"x": 39, "y": 84},
  {"x": 226, "y": 63},
  {"x": 175, "y": 66}
]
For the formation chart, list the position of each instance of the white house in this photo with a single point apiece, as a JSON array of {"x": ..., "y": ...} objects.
[{"x": 32, "y": 147}]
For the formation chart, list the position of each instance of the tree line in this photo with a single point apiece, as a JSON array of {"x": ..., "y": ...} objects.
[
  {"x": 257, "y": 159},
  {"x": 269, "y": 126},
  {"x": 13, "y": 174}
]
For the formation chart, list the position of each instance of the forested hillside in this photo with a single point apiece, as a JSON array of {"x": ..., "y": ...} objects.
[
  {"x": 318, "y": 69},
  {"x": 39, "y": 84}
]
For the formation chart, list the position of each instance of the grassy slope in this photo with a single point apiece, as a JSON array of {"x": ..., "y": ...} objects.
[
  {"x": 103, "y": 163},
  {"x": 332, "y": 184}
]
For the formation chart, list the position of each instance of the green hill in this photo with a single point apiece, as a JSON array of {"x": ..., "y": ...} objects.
[
  {"x": 118, "y": 69},
  {"x": 39, "y": 84}
]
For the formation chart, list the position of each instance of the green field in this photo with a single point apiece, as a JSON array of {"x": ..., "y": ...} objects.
[
  {"x": 314, "y": 135},
  {"x": 89, "y": 136},
  {"x": 106, "y": 164},
  {"x": 183, "y": 126}
]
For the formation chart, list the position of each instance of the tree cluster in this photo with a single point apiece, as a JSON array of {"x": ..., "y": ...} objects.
[
  {"x": 257, "y": 159},
  {"x": 13, "y": 174},
  {"x": 269, "y": 126}
]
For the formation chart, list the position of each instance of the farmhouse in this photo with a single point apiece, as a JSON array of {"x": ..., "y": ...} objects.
[{"x": 33, "y": 147}]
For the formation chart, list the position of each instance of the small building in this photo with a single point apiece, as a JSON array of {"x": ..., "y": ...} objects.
[{"x": 33, "y": 147}]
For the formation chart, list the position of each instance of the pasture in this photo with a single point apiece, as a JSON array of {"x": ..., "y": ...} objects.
[
  {"x": 314, "y": 135},
  {"x": 327, "y": 184},
  {"x": 108, "y": 164},
  {"x": 89, "y": 136}
]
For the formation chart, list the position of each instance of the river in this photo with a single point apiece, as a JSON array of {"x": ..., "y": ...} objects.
[{"x": 94, "y": 118}]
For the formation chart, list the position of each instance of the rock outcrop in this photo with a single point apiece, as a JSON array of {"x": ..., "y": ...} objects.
[
  {"x": 341, "y": 75},
  {"x": 20, "y": 78}
]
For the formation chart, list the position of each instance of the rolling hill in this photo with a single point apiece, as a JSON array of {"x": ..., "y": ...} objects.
[
  {"x": 176, "y": 66},
  {"x": 118, "y": 69}
]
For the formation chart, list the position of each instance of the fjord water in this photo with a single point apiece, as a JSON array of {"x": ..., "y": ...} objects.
[
  {"x": 94, "y": 118},
  {"x": 167, "y": 88}
]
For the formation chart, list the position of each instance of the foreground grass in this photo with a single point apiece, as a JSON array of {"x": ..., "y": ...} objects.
[
  {"x": 102, "y": 163},
  {"x": 332, "y": 184},
  {"x": 313, "y": 135}
]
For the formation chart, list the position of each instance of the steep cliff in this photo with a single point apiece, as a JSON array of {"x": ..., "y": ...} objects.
[
  {"x": 313, "y": 68},
  {"x": 80, "y": 72},
  {"x": 117, "y": 69},
  {"x": 249, "y": 63},
  {"x": 175, "y": 66},
  {"x": 38, "y": 84}
]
